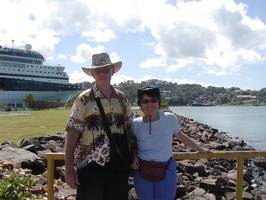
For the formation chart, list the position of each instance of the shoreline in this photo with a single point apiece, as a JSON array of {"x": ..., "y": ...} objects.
[{"x": 193, "y": 175}]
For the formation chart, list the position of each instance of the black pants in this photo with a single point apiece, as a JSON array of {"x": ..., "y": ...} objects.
[{"x": 102, "y": 183}]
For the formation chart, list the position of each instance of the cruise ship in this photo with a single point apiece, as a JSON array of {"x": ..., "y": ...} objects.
[{"x": 22, "y": 72}]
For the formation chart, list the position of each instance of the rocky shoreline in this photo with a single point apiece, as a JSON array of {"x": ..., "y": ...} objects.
[{"x": 198, "y": 179}]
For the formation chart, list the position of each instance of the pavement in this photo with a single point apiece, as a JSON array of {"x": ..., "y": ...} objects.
[{"x": 7, "y": 114}]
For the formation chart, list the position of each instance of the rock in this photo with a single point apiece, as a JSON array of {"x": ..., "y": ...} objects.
[
  {"x": 211, "y": 186},
  {"x": 247, "y": 196},
  {"x": 132, "y": 194},
  {"x": 197, "y": 179},
  {"x": 230, "y": 195},
  {"x": 16, "y": 155},
  {"x": 37, "y": 166},
  {"x": 260, "y": 162}
]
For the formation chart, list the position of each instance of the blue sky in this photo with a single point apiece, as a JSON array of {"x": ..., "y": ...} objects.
[{"x": 207, "y": 42}]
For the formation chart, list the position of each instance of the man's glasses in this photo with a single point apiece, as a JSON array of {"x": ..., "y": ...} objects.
[
  {"x": 102, "y": 70},
  {"x": 146, "y": 101}
]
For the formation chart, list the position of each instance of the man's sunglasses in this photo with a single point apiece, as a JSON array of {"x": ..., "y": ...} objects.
[
  {"x": 102, "y": 70},
  {"x": 146, "y": 101}
]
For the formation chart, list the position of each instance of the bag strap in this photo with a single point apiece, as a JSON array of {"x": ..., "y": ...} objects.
[
  {"x": 105, "y": 122},
  {"x": 122, "y": 105},
  {"x": 131, "y": 139}
]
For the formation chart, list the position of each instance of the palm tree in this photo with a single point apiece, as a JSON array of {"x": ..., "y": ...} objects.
[
  {"x": 120, "y": 121},
  {"x": 93, "y": 124}
]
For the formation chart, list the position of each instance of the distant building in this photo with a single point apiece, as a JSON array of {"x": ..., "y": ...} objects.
[{"x": 246, "y": 97}]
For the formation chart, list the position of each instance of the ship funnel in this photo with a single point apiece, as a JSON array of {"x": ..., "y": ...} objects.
[{"x": 28, "y": 47}]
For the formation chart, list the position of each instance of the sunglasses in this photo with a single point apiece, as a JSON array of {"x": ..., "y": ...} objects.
[
  {"x": 104, "y": 70},
  {"x": 146, "y": 101}
]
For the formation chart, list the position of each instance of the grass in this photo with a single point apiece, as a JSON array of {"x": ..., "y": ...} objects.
[{"x": 33, "y": 124}]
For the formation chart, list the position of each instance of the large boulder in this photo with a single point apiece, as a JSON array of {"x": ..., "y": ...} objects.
[{"x": 16, "y": 155}]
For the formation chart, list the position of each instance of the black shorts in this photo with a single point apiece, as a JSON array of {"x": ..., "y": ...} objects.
[{"x": 102, "y": 183}]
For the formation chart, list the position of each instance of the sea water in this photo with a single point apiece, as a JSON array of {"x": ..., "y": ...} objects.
[{"x": 245, "y": 122}]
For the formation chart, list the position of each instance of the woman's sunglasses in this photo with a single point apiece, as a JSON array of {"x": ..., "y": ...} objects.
[{"x": 146, "y": 101}]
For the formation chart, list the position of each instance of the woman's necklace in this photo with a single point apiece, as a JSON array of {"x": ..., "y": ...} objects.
[{"x": 149, "y": 118}]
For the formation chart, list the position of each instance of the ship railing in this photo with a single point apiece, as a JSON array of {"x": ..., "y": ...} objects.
[{"x": 239, "y": 155}]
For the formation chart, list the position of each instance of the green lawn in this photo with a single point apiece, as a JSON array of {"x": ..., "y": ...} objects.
[{"x": 34, "y": 124}]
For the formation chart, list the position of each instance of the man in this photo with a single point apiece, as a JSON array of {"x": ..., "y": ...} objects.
[{"x": 87, "y": 143}]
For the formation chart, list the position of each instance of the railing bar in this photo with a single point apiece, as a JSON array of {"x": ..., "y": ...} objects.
[
  {"x": 240, "y": 155},
  {"x": 219, "y": 154}
]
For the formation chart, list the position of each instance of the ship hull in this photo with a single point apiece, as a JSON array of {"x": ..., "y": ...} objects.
[
  {"x": 13, "y": 91},
  {"x": 23, "y": 72},
  {"x": 16, "y": 97}
]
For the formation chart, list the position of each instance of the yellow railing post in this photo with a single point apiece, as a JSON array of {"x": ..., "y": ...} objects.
[
  {"x": 50, "y": 177},
  {"x": 51, "y": 157},
  {"x": 239, "y": 179},
  {"x": 239, "y": 155}
]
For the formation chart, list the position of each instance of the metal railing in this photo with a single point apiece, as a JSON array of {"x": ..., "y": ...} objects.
[
  {"x": 51, "y": 157},
  {"x": 239, "y": 155}
]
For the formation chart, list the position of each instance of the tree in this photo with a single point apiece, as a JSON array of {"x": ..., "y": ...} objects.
[
  {"x": 164, "y": 105},
  {"x": 28, "y": 98}
]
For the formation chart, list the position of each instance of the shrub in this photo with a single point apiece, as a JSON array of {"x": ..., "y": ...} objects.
[
  {"x": 16, "y": 187},
  {"x": 9, "y": 108}
]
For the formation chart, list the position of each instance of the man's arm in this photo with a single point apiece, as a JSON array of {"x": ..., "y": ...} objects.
[{"x": 70, "y": 146}]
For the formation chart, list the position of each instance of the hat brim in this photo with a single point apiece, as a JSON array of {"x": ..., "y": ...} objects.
[{"x": 117, "y": 66}]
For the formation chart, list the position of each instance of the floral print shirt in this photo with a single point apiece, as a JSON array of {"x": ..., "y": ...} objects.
[{"x": 85, "y": 118}]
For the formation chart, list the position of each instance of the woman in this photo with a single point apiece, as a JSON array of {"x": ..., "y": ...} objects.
[{"x": 154, "y": 132}]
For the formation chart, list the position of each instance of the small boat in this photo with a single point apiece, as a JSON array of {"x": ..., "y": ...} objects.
[{"x": 203, "y": 104}]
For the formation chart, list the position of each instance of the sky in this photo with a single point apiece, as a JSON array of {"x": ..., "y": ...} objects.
[{"x": 219, "y": 43}]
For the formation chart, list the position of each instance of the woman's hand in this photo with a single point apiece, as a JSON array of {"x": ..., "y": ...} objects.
[{"x": 204, "y": 150}]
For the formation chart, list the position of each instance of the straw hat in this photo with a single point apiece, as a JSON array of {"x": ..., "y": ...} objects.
[{"x": 102, "y": 60}]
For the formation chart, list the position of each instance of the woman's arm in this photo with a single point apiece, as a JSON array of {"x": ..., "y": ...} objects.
[{"x": 187, "y": 141}]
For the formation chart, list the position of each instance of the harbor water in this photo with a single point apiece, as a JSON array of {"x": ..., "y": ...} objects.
[{"x": 245, "y": 122}]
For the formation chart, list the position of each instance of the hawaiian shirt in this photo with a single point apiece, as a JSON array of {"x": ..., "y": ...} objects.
[{"x": 85, "y": 118}]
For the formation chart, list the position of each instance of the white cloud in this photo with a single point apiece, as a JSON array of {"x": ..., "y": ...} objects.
[
  {"x": 99, "y": 35},
  {"x": 153, "y": 62},
  {"x": 215, "y": 36},
  {"x": 84, "y": 52},
  {"x": 180, "y": 63},
  {"x": 79, "y": 77},
  {"x": 62, "y": 56},
  {"x": 218, "y": 34}
]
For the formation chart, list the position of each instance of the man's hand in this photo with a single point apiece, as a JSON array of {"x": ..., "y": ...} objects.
[
  {"x": 71, "y": 177},
  {"x": 135, "y": 163}
]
